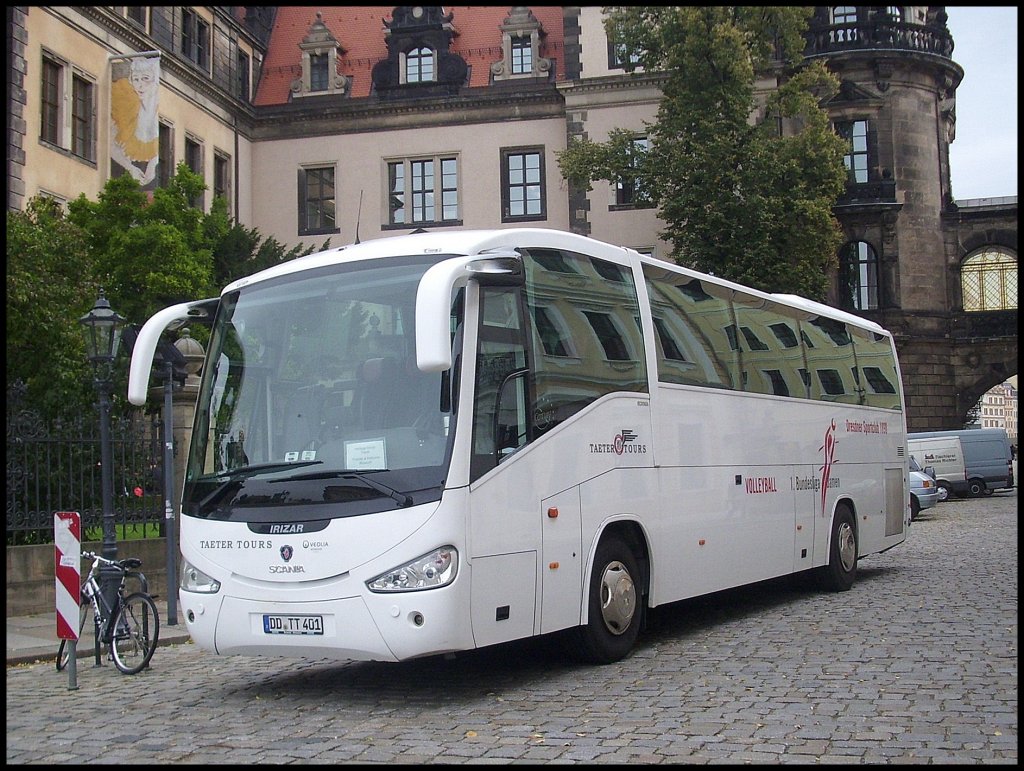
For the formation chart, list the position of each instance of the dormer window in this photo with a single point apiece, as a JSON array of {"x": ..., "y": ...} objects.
[
  {"x": 522, "y": 55},
  {"x": 320, "y": 53},
  {"x": 419, "y": 66},
  {"x": 521, "y": 35},
  {"x": 318, "y": 72}
]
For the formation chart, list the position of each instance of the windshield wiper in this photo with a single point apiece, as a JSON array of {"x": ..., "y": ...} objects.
[
  {"x": 259, "y": 468},
  {"x": 403, "y": 499},
  {"x": 237, "y": 475}
]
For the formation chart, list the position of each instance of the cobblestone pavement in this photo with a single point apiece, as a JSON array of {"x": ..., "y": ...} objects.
[{"x": 916, "y": 664}]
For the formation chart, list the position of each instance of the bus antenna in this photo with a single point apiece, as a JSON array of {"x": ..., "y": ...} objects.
[{"x": 359, "y": 213}]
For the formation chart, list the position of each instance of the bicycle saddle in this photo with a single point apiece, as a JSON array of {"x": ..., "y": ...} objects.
[{"x": 131, "y": 563}]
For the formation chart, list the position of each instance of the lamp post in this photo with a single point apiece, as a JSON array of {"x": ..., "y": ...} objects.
[{"x": 102, "y": 329}]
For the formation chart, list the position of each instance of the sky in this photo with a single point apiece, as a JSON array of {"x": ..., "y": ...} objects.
[{"x": 983, "y": 157}]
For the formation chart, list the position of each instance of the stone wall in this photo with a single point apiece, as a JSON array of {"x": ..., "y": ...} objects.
[{"x": 31, "y": 578}]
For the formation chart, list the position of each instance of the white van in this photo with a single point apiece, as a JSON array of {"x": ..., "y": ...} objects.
[
  {"x": 946, "y": 455},
  {"x": 986, "y": 457}
]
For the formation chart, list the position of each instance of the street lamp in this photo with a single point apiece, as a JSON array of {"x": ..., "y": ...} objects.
[{"x": 102, "y": 329}]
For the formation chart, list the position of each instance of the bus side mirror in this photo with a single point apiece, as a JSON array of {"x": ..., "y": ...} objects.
[
  {"x": 145, "y": 344},
  {"x": 434, "y": 298}
]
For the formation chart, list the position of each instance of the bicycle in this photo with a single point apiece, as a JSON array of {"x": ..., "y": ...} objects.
[{"x": 130, "y": 629}]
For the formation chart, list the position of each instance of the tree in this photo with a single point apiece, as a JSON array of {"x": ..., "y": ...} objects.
[
  {"x": 239, "y": 251},
  {"x": 50, "y": 285},
  {"x": 145, "y": 254},
  {"x": 740, "y": 199},
  {"x": 148, "y": 254}
]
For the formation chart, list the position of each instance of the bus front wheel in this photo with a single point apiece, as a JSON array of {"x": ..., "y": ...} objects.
[
  {"x": 839, "y": 573},
  {"x": 615, "y": 599}
]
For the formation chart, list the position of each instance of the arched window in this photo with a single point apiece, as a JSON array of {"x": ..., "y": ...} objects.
[
  {"x": 844, "y": 18},
  {"x": 419, "y": 66},
  {"x": 989, "y": 280},
  {"x": 858, "y": 276}
]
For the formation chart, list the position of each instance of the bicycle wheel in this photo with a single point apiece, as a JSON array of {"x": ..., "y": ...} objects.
[
  {"x": 64, "y": 650},
  {"x": 136, "y": 631}
]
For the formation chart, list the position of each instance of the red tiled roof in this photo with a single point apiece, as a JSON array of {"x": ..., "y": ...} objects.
[{"x": 360, "y": 31}]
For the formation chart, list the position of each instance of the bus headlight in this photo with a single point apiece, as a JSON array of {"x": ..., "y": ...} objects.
[
  {"x": 438, "y": 568},
  {"x": 195, "y": 580}
]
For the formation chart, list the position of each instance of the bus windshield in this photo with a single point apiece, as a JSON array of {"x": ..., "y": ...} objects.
[{"x": 311, "y": 405}]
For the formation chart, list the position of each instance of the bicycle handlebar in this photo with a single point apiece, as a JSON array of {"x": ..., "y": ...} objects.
[{"x": 129, "y": 563}]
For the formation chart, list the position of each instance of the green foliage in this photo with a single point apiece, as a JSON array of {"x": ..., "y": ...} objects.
[
  {"x": 739, "y": 200},
  {"x": 149, "y": 255},
  {"x": 50, "y": 285},
  {"x": 145, "y": 253}
]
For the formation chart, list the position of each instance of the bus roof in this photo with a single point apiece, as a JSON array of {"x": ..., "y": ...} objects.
[{"x": 470, "y": 242}]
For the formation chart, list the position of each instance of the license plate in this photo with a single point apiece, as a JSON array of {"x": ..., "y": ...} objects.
[{"x": 278, "y": 624}]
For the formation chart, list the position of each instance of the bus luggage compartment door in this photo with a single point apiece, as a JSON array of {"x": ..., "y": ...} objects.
[{"x": 561, "y": 561}]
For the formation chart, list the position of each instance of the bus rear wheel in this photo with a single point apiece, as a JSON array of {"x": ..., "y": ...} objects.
[
  {"x": 615, "y": 604},
  {"x": 841, "y": 570}
]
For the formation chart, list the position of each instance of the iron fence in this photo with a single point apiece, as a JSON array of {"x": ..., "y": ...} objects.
[{"x": 55, "y": 466}]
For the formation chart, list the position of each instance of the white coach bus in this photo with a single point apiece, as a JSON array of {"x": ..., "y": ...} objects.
[{"x": 438, "y": 442}]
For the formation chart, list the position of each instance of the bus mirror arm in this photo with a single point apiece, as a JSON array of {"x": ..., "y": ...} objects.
[
  {"x": 149, "y": 337},
  {"x": 434, "y": 298}
]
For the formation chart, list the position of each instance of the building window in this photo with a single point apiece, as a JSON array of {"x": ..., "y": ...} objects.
[
  {"x": 419, "y": 66},
  {"x": 522, "y": 55},
  {"x": 137, "y": 14},
  {"x": 165, "y": 164},
  {"x": 989, "y": 280},
  {"x": 320, "y": 53},
  {"x": 621, "y": 57},
  {"x": 243, "y": 76},
  {"x": 52, "y": 87},
  {"x": 63, "y": 90},
  {"x": 778, "y": 382},
  {"x": 844, "y": 16},
  {"x": 83, "y": 118},
  {"x": 858, "y": 277},
  {"x": 753, "y": 341},
  {"x": 522, "y": 185},
  {"x": 831, "y": 382},
  {"x": 521, "y": 38},
  {"x": 423, "y": 191},
  {"x": 318, "y": 79},
  {"x": 629, "y": 190},
  {"x": 785, "y": 335},
  {"x": 222, "y": 177},
  {"x": 613, "y": 343},
  {"x": 317, "y": 206},
  {"x": 194, "y": 160},
  {"x": 856, "y": 158},
  {"x": 195, "y": 39}
]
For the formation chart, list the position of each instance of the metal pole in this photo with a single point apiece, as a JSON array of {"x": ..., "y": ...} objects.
[
  {"x": 170, "y": 530},
  {"x": 109, "y": 575}
]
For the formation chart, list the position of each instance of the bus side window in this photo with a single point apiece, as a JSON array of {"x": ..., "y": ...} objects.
[
  {"x": 501, "y": 352},
  {"x": 688, "y": 322}
]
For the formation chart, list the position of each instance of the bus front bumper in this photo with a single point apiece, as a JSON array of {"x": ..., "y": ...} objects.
[{"x": 374, "y": 628}]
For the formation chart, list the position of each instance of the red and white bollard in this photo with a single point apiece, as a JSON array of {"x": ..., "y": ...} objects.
[{"x": 67, "y": 544}]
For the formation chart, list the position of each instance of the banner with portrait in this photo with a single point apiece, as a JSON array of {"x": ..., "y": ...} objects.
[{"x": 134, "y": 118}]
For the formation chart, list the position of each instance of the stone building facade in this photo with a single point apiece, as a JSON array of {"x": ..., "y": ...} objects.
[{"x": 309, "y": 119}]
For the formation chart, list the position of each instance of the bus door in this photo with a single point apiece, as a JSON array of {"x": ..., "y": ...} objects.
[{"x": 503, "y": 527}]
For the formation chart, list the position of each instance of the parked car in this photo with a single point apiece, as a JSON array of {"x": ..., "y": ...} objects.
[{"x": 924, "y": 491}]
